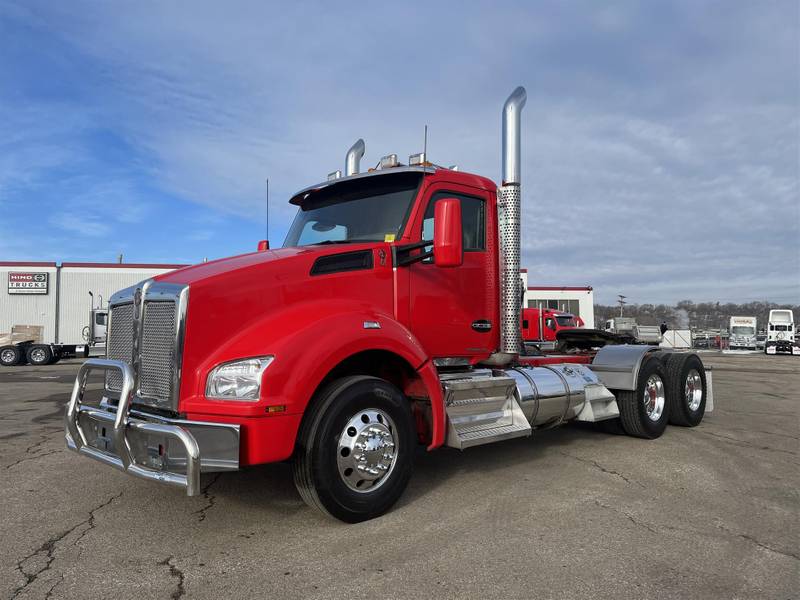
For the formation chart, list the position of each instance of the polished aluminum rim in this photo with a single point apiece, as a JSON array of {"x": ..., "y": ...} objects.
[
  {"x": 8, "y": 356},
  {"x": 654, "y": 397},
  {"x": 38, "y": 355},
  {"x": 367, "y": 450},
  {"x": 693, "y": 391}
]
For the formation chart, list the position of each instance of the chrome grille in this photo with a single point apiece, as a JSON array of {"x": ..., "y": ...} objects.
[
  {"x": 120, "y": 342},
  {"x": 157, "y": 367}
]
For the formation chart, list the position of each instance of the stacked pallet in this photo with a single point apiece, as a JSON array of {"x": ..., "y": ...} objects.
[{"x": 21, "y": 334}]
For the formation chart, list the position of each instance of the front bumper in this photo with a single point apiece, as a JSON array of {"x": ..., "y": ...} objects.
[
  {"x": 170, "y": 451},
  {"x": 782, "y": 347}
]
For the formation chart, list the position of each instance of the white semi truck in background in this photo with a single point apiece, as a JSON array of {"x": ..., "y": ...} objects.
[
  {"x": 743, "y": 333},
  {"x": 781, "y": 335}
]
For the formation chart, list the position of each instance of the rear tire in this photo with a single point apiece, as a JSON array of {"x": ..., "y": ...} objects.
[
  {"x": 39, "y": 355},
  {"x": 644, "y": 412},
  {"x": 354, "y": 419},
  {"x": 11, "y": 356},
  {"x": 686, "y": 389}
]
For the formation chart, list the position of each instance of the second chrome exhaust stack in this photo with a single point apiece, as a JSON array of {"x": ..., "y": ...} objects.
[
  {"x": 352, "y": 161},
  {"x": 509, "y": 209}
]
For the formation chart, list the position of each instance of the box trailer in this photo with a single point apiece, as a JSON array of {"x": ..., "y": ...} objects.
[{"x": 51, "y": 311}]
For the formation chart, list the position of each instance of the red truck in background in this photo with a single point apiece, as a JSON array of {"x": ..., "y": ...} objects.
[
  {"x": 389, "y": 318},
  {"x": 542, "y": 325}
]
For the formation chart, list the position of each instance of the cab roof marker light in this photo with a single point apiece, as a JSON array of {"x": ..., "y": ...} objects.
[
  {"x": 416, "y": 159},
  {"x": 389, "y": 161}
]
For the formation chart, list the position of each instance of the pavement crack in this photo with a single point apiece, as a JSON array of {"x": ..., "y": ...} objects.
[
  {"x": 628, "y": 516},
  {"x": 176, "y": 573},
  {"x": 758, "y": 543},
  {"x": 211, "y": 499},
  {"x": 33, "y": 449},
  {"x": 48, "y": 548},
  {"x": 745, "y": 444},
  {"x": 600, "y": 467},
  {"x": 49, "y": 593}
]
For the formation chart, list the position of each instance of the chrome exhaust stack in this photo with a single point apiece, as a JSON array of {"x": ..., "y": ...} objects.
[
  {"x": 353, "y": 160},
  {"x": 509, "y": 203}
]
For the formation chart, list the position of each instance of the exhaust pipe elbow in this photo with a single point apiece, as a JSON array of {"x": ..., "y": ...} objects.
[
  {"x": 512, "y": 111},
  {"x": 353, "y": 159}
]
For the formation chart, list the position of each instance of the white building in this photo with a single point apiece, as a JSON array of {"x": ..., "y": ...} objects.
[
  {"x": 57, "y": 296},
  {"x": 578, "y": 300}
]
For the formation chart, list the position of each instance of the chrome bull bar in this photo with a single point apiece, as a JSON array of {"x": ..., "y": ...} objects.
[{"x": 122, "y": 422}]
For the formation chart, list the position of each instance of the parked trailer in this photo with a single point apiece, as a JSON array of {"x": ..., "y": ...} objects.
[
  {"x": 390, "y": 317},
  {"x": 20, "y": 347},
  {"x": 65, "y": 302}
]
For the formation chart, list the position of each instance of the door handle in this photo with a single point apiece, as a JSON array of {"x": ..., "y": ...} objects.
[{"x": 482, "y": 325}]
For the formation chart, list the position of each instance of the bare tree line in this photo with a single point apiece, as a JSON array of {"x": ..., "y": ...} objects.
[{"x": 687, "y": 314}]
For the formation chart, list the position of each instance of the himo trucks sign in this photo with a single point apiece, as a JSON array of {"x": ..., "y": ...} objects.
[{"x": 27, "y": 283}]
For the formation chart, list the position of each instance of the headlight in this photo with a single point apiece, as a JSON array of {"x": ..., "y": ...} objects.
[{"x": 238, "y": 380}]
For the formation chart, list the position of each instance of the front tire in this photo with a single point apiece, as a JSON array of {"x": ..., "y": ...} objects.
[
  {"x": 355, "y": 450},
  {"x": 644, "y": 412}
]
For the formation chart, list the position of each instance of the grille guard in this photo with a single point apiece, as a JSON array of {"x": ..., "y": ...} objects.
[{"x": 122, "y": 421}]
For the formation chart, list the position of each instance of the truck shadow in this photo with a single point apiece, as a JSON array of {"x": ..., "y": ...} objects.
[{"x": 270, "y": 488}]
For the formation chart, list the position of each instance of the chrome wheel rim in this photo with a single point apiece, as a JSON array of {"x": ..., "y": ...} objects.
[
  {"x": 367, "y": 450},
  {"x": 37, "y": 355},
  {"x": 693, "y": 391},
  {"x": 7, "y": 356},
  {"x": 654, "y": 397}
]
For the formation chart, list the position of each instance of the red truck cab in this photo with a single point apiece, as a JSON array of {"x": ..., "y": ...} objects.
[{"x": 542, "y": 325}]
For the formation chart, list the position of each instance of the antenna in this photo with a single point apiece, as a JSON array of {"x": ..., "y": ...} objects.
[
  {"x": 425, "y": 146},
  {"x": 267, "y": 208}
]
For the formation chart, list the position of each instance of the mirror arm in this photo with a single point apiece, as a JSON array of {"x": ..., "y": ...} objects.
[{"x": 401, "y": 255}]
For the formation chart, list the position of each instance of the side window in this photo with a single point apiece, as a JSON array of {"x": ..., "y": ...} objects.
[
  {"x": 473, "y": 220},
  {"x": 550, "y": 323}
]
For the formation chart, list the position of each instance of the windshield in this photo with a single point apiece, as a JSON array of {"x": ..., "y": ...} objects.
[
  {"x": 372, "y": 209},
  {"x": 743, "y": 330},
  {"x": 567, "y": 321}
]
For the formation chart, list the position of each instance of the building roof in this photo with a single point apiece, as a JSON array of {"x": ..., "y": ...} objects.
[
  {"x": 26, "y": 263},
  {"x": 98, "y": 265},
  {"x": 561, "y": 288},
  {"x": 122, "y": 265}
]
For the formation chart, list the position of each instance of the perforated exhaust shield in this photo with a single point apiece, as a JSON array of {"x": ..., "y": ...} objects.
[{"x": 508, "y": 206}]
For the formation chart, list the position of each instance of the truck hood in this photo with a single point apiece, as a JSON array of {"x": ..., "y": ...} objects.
[{"x": 231, "y": 298}]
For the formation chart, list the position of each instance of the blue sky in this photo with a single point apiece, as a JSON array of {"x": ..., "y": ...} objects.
[{"x": 661, "y": 140}]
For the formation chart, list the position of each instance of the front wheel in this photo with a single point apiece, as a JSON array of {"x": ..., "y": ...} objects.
[{"x": 355, "y": 450}]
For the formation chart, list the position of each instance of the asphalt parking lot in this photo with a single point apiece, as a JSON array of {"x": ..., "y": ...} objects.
[{"x": 711, "y": 512}]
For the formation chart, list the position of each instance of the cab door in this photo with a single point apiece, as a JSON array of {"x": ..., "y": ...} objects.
[{"x": 454, "y": 311}]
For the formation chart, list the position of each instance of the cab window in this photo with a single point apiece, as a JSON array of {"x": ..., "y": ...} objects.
[{"x": 473, "y": 220}]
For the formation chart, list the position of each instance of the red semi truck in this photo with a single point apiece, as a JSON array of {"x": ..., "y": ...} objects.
[
  {"x": 542, "y": 325},
  {"x": 389, "y": 318}
]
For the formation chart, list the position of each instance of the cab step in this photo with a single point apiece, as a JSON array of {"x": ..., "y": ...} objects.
[{"x": 481, "y": 409}]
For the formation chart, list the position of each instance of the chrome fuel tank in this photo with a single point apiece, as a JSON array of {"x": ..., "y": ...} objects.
[{"x": 551, "y": 394}]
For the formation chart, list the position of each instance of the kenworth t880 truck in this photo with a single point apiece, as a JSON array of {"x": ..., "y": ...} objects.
[{"x": 389, "y": 318}]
